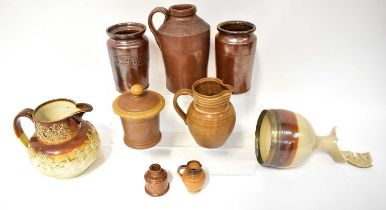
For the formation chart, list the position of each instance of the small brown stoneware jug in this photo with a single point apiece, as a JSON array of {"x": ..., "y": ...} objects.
[
  {"x": 184, "y": 42},
  {"x": 286, "y": 139},
  {"x": 63, "y": 145},
  {"x": 139, "y": 111},
  {"x": 156, "y": 178},
  {"x": 193, "y": 175},
  {"x": 235, "y": 52},
  {"x": 211, "y": 116},
  {"x": 129, "y": 55}
]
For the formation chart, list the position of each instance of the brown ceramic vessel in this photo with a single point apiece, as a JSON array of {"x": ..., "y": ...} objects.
[
  {"x": 235, "y": 52},
  {"x": 129, "y": 55},
  {"x": 193, "y": 175},
  {"x": 184, "y": 42},
  {"x": 139, "y": 111},
  {"x": 156, "y": 178},
  {"x": 211, "y": 116}
]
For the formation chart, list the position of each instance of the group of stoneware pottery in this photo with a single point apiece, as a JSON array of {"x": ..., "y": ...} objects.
[
  {"x": 157, "y": 183},
  {"x": 64, "y": 145}
]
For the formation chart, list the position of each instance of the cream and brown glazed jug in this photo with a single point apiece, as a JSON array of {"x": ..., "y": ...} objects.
[
  {"x": 63, "y": 145},
  {"x": 211, "y": 116}
]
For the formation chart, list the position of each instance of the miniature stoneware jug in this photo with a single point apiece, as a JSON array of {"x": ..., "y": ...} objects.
[
  {"x": 193, "y": 175},
  {"x": 285, "y": 139},
  {"x": 63, "y": 145},
  {"x": 183, "y": 39},
  {"x": 156, "y": 178},
  {"x": 211, "y": 116}
]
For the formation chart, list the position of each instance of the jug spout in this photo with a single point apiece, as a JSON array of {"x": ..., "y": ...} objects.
[
  {"x": 227, "y": 88},
  {"x": 81, "y": 109}
]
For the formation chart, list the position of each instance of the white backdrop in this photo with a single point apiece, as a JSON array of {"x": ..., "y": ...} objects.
[{"x": 323, "y": 59}]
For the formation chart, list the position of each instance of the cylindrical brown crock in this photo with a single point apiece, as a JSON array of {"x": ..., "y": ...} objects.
[
  {"x": 129, "y": 55},
  {"x": 156, "y": 178},
  {"x": 235, "y": 52},
  {"x": 184, "y": 42},
  {"x": 139, "y": 111}
]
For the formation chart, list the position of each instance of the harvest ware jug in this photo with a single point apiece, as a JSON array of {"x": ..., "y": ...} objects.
[
  {"x": 211, "y": 116},
  {"x": 285, "y": 139},
  {"x": 235, "y": 53},
  {"x": 139, "y": 111},
  {"x": 63, "y": 145},
  {"x": 129, "y": 55},
  {"x": 184, "y": 42},
  {"x": 193, "y": 175}
]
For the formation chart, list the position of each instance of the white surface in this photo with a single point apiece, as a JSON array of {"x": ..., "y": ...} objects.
[{"x": 323, "y": 59}]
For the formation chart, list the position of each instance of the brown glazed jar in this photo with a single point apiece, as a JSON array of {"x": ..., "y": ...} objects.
[
  {"x": 129, "y": 55},
  {"x": 235, "y": 52},
  {"x": 139, "y": 111},
  {"x": 193, "y": 175},
  {"x": 156, "y": 178},
  {"x": 184, "y": 42}
]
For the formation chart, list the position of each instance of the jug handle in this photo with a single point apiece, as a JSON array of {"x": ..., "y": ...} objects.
[
  {"x": 175, "y": 103},
  {"x": 164, "y": 11},
  {"x": 17, "y": 125},
  {"x": 180, "y": 168}
]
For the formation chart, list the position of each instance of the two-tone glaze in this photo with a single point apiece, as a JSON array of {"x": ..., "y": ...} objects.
[
  {"x": 285, "y": 139},
  {"x": 63, "y": 145}
]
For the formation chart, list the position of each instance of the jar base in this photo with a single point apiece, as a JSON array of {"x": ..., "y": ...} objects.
[
  {"x": 157, "y": 194},
  {"x": 143, "y": 146}
]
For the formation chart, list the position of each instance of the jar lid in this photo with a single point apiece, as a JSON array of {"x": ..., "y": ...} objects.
[{"x": 138, "y": 104}]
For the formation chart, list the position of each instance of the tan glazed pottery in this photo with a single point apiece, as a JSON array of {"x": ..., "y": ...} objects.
[
  {"x": 192, "y": 175},
  {"x": 211, "y": 116},
  {"x": 129, "y": 55},
  {"x": 285, "y": 139},
  {"x": 235, "y": 53},
  {"x": 139, "y": 111},
  {"x": 63, "y": 145},
  {"x": 156, "y": 178},
  {"x": 184, "y": 42}
]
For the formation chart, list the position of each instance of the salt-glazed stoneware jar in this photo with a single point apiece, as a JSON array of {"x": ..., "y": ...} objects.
[
  {"x": 192, "y": 175},
  {"x": 235, "y": 46},
  {"x": 211, "y": 116},
  {"x": 183, "y": 39},
  {"x": 285, "y": 139},
  {"x": 156, "y": 178},
  {"x": 129, "y": 55},
  {"x": 139, "y": 111},
  {"x": 63, "y": 145}
]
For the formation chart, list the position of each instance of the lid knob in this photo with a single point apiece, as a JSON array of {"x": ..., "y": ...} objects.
[{"x": 137, "y": 89}]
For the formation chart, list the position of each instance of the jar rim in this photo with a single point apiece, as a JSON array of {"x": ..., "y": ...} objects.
[
  {"x": 126, "y": 30},
  {"x": 236, "y": 27}
]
